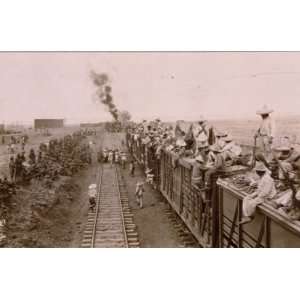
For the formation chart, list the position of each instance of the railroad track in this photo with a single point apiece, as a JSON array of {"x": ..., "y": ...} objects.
[{"x": 111, "y": 224}]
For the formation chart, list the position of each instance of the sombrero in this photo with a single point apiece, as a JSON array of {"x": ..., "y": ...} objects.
[
  {"x": 221, "y": 134},
  {"x": 199, "y": 158},
  {"x": 201, "y": 119},
  {"x": 265, "y": 110},
  {"x": 260, "y": 166},
  {"x": 93, "y": 186},
  {"x": 284, "y": 148},
  {"x": 228, "y": 138},
  {"x": 180, "y": 143}
]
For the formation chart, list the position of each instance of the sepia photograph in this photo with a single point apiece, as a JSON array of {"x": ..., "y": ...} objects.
[{"x": 150, "y": 149}]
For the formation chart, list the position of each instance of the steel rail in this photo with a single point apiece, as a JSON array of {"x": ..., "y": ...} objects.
[
  {"x": 121, "y": 206},
  {"x": 99, "y": 181}
]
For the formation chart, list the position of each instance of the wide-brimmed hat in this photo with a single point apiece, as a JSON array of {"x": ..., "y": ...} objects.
[
  {"x": 284, "y": 148},
  {"x": 260, "y": 166},
  {"x": 228, "y": 138},
  {"x": 285, "y": 144},
  {"x": 93, "y": 186},
  {"x": 199, "y": 158},
  {"x": 265, "y": 110},
  {"x": 221, "y": 134},
  {"x": 201, "y": 119},
  {"x": 180, "y": 143},
  {"x": 215, "y": 148}
]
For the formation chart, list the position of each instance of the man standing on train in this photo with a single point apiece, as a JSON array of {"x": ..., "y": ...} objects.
[
  {"x": 202, "y": 129},
  {"x": 266, "y": 132}
]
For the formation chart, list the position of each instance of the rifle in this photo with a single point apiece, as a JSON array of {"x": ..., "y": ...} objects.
[
  {"x": 254, "y": 153},
  {"x": 288, "y": 179}
]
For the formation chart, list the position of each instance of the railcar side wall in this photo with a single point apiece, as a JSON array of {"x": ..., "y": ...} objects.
[
  {"x": 268, "y": 229},
  {"x": 173, "y": 179}
]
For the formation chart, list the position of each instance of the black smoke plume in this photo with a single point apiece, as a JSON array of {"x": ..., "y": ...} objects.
[{"x": 103, "y": 93}]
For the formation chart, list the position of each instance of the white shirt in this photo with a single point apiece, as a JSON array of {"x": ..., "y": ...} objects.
[
  {"x": 232, "y": 147},
  {"x": 92, "y": 193},
  {"x": 266, "y": 187},
  {"x": 267, "y": 127},
  {"x": 201, "y": 132}
]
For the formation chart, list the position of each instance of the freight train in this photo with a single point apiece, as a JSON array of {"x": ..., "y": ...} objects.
[{"x": 214, "y": 216}]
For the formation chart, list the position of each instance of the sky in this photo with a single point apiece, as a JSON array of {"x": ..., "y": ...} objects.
[{"x": 172, "y": 86}]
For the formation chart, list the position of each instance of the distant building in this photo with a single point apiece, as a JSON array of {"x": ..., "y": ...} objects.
[{"x": 48, "y": 123}]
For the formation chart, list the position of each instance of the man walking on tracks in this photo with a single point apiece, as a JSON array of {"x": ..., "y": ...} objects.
[
  {"x": 139, "y": 192},
  {"x": 123, "y": 159},
  {"x": 92, "y": 196},
  {"x": 111, "y": 158}
]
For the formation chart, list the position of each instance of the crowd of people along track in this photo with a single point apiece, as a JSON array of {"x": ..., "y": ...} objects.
[
  {"x": 58, "y": 157},
  {"x": 271, "y": 169}
]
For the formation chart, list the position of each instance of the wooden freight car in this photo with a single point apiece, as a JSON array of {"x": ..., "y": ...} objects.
[
  {"x": 270, "y": 227},
  {"x": 213, "y": 216}
]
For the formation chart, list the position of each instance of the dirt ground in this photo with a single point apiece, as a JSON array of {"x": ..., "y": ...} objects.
[
  {"x": 55, "y": 217},
  {"x": 154, "y": 228}
]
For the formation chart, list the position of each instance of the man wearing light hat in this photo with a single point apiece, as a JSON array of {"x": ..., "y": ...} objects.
[
  {"x": 265, "y": 191},
  {"x": 231, "y": 151},
  {"x": 202, "y": 129},
  {"x": 215, "y": 163},
  {"x": 220, "y": 139},
  {"x": 202, "y": 144},
  {"x": 290, "y": 161},
  {"x": 266, "y": 131},
  {"x": 200, "y": 166},
  {"x": 92, "y": 196}
]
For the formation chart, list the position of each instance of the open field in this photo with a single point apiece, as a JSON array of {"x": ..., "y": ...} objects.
[{"x": 243, "y": 130}]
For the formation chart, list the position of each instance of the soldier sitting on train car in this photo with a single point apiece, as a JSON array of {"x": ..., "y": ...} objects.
[
  {"x": 290, "y": 162},
  {"x": 231, "y": 151},
  {"x": 200, "y": 165},
  {"x": 265, "y": 191},
  {"x": 214, "y": 164}
]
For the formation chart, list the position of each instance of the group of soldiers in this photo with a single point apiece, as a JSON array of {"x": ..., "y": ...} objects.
[
  {"x": 111, "y": 156},
  {"x": 211, "y": 151},
  {"x": 64, "y": 156}
]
